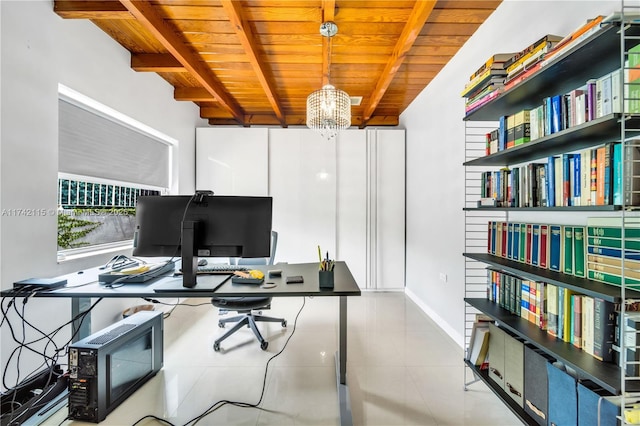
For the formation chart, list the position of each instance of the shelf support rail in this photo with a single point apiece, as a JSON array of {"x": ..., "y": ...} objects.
[{"x": 475, "y": 229}]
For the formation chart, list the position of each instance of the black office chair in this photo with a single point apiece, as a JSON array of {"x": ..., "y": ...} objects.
[{"x": 246, "y": 305}]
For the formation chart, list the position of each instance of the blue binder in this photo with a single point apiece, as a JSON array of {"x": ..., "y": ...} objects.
[
  {"x": 588, "y": 399},
  {"x": 563, "y": 397}
]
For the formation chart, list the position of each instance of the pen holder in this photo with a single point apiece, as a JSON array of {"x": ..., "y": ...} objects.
[{"x": 326, "y": 279}]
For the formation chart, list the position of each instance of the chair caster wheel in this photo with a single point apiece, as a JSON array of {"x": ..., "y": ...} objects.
[
  {"x": 221, "y": 324},
  {"x": 284, "y": 323},
  {"x": 264, "y": 345},
  {"x": 216, "y": 347}
]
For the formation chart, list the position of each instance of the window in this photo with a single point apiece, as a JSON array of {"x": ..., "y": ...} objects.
[{"x": 106, "y": 161}]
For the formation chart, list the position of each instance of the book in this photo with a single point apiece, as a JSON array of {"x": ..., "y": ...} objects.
[
  {"x": 561, "y": 313},
  {"x": 510, "y": 240},
  {"x": 552, "y": 310},
  {"x": 576, "y": 182},
  {"x": 606, "y": 251},
  {"x": 555, "y": 247},
  {"x": 479, "y": 343},
  {"x": 585, "y": 176},
  {"x": 516, "y": 241},
  {"x": 607, "y": 278},
  {"x": 522, "y": 127},
  {"x": 576, "y": 319},
  {"x": 593, "y": 177},
  {"x": 556, "y": 114},
  {"x": 628, "y": 272},
  {"x": 590, "y": 26},
  {"x": 523, "y": 242},
  {"x": 535, "y": 244},
  {"x": 567, "y": 253},
  {"x": 629, "y": 243},
  {"x": 600, "y": 178},
  {"x": 588, "y": 315},
  {"x": 543, "y": 257},
  {"x": 529, "y": 51},
  {"x": 591, "y": 99},
  {"x": 495, "y": 62},
  {"x": 551, "y": 193},
  {"x": 566, "y": 300},
  {"x": 632, "y": 173},
  {"x": 541, "y": 303},
  {"x": 603, "y": 329},
  {"x": 579, "y": 266},
  {"x": 529, "y": 244},
  {"x": 613, "y": 261}
]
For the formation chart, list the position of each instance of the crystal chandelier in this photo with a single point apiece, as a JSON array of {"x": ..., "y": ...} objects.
[{"x": 328, "y": 109}]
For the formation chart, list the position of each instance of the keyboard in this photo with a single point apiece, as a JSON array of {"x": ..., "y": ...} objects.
[{"x": 219, "y": 269}]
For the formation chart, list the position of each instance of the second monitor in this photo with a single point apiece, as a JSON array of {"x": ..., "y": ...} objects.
[{"x": 202, "y": 226}]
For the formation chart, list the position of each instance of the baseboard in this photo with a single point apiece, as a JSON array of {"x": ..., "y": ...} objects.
[{"x": 454, "y": 334}]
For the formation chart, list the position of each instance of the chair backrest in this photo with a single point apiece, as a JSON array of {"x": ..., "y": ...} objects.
[{"x": 261, "y": 260}]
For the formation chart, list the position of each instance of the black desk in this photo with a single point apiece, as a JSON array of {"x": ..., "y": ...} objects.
[{"x": 344, "y": 286}]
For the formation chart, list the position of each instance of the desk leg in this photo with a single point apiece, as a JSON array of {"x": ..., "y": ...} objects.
[
  {"x": 341, "y": 368},
  {"x": 79, "y": 305}
]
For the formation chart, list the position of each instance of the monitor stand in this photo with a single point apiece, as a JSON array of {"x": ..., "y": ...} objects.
[{"x": 189, "y": 259}]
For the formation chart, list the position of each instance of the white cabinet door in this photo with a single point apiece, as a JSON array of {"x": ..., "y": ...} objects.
[
  {"x": 302, "y": 182},
  {"x": 388, "y": 201},
  {"x": 352, "y": 202},
  {"x": 232, "y": 161}
]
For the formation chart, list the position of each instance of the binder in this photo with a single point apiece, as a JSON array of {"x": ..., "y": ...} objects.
[
  {"x": 590, "y": 396},
  {"x": 514, "y": 369},
  {"x": 536, "y": 385},
  {"x": 563, "y": 397}
]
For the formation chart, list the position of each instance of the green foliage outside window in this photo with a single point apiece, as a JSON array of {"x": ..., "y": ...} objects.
[{"x": 72, "y": 229}]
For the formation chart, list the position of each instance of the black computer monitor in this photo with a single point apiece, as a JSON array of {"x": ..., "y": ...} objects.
[{"x": 202, "y": 226}]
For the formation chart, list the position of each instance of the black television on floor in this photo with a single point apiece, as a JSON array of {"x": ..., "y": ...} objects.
[{"x": 202, "y": 225}]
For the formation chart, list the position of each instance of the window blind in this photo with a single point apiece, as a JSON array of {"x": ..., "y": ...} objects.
[{"x": 92, "y": 145}]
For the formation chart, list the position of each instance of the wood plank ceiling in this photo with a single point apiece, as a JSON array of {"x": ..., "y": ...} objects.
[{"x": 254, "y": 62}]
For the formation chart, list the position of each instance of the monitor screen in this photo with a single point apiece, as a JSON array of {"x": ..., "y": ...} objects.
[{"x": 202, "y": 226}]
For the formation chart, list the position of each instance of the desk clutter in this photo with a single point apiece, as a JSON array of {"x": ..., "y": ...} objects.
[{"x": 252, "y": 276}]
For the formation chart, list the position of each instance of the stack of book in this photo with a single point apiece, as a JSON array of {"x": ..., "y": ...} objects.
[
  {"x": 576, "y": 36},
  {"x": 586, "y": 322},
  {"x": 605, "y": 260},
  {"x": 588, "y": 177},
  {"x": 550, "y": 54},
  {"x": 529, "y": 57},
  {"x": 485, "y": 84},
  {"x": 598, "y": 97}
]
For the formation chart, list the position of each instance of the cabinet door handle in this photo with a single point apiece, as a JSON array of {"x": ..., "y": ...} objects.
[
  {"x": 513, "y": 390},
  {"x": 535, "y": 409},
  {"x": 496, "y": 372}
]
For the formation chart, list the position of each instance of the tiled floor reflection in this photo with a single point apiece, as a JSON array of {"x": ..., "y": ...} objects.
[{"x": 402, "y": 370}]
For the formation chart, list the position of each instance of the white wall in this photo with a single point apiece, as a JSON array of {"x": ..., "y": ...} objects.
[
  {"x": 39, "y": 50},
  {"x": 435, "y": 151}
]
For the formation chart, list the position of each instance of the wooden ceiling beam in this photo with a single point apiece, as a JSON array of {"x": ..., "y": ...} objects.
[
  {"x": 298, "y": 120},
  {"x": 145, "y": 13},
  {"x": 247, "y": 40},
  {"x": 192, "y": 94},
  {"x": 155, "y": 62},
  {"x": 416, "y": 21},
  {"x": 73, "y": 9}
]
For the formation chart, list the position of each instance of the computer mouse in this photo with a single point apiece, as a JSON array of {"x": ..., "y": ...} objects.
[{"x": 202, "y": 262}]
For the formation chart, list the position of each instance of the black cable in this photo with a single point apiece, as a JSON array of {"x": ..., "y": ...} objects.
[
  {"x": 151, "y": 416},
  {"x": 81, "y": 316},
  {"x": 222, "y": 403},
  {"x": 22, "y": 344}
]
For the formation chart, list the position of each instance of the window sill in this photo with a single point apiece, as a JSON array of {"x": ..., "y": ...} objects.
[{"x": 82, "y": 253}]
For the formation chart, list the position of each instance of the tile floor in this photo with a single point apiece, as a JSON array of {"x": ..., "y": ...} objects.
[{"x": 402, "y": 370}]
